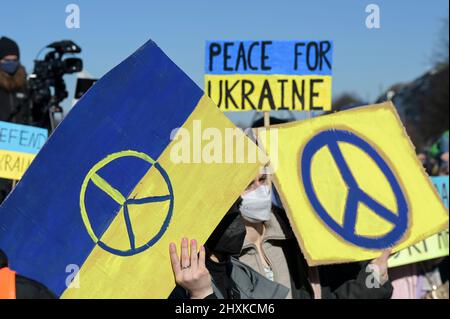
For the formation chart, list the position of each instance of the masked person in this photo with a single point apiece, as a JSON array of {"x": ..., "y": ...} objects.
[
  {"x": 271, "y": 249},
  {"x": 12, "y": 93},
  {"x": 15, "y": 286},
  {"x": 216, "y": 273},
  {"x": 12, "y": 83}
]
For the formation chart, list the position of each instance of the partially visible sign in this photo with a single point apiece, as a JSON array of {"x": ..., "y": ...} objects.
[
  {"x": 269, "y": 75},
  {"x": 433, "y": 247},
  {"x": 441, "y": 184},
  {"x": 19, "y": 144}
]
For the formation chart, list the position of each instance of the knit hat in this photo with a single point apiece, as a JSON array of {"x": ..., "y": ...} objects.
[{"x": 8, "y": 47}]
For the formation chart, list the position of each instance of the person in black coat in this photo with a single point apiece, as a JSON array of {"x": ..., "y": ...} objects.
[
  {"x": 13, "y": 105},
  {"x": 13, "y": 84}
]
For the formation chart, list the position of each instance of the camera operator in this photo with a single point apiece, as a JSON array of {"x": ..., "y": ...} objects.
[{"x": 12, "y": 83}]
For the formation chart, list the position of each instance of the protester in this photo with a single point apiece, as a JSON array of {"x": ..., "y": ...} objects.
[
  {"x": 421, "y": 279},
  {"x": 12, "y": 83},
  {"x": 271, "y": 249},
  {"x": 12, "y": 91},
  {"x": 268, "y": 230},
  {"x": 416, "y": 280},
  {"x": 216, "y": 273},
  {"x": 428, "y": 162},
  {"x": 439, "y": 152},
  {"x": 15, "y": 286},
  {"x": 443, "y": 156}
]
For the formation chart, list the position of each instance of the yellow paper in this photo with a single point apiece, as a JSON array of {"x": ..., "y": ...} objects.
[{"x": 433, "y": 247}]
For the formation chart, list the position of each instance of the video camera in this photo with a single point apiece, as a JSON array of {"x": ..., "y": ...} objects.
[{"x": 46, "y": 85}]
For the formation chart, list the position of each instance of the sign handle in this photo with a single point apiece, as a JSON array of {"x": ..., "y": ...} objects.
[
  {"x": 14, "y": 183},
  {"x": 266, "y": 119}
]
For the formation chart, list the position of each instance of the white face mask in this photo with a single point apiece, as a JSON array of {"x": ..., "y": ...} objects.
[{"x": 257, "y": 204}]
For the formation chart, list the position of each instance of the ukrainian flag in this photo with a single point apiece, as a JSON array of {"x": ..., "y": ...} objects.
[{"x": 94, "y": 214}]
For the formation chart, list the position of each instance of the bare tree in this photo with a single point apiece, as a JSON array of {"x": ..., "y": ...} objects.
[
  {"x": 441, "y": 51},
  {"x": 346, "y": 100}
]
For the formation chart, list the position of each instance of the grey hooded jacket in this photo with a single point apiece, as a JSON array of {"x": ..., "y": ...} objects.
[{"x": 249, "y": 283}]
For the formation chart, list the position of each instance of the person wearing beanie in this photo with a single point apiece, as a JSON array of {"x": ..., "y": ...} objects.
[
  {"x": 12, "y": 83},
  {"x": 13, "y": 103}
]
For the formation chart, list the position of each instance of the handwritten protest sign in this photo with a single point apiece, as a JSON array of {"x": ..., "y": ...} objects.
[
  {"x": 433, "y": 247},
  {"x": 269, "y": 75},
  {"x": 19, "y": 144},
  {"x": 114, "y": 198},
  {"x": 352, "y": 185}
]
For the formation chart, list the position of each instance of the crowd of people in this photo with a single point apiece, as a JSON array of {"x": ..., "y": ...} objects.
[{"x": 253, "y": 253}]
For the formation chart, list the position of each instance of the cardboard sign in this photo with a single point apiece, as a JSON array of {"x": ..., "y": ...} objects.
[
  {"x": 113, "y": 200},
  {"x": 433, "y": 247},
  {"x": 353, "y": 186},
  {"x": 19, "y": 144},
  {"x": 269, "y": 75}
]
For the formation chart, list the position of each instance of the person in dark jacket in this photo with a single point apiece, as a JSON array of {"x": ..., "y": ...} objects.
[
  {"x": 12, "y": 84},
  {"x": 271, "y": 249},
  {"x": 13, "y": 106},
  {"x": 22, "y": 287},
  {"x": 216, "y": 273}
]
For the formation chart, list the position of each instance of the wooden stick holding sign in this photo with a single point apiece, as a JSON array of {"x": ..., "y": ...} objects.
[{"x": 267, "y": 127}]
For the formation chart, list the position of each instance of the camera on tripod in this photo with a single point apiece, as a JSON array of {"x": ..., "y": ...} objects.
[{"x": 46, "y": 85}]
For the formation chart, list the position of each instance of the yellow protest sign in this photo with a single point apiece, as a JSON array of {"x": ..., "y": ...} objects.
[
  {"x": 19, "y": 145},
  {"x": 352, "y": 185}
]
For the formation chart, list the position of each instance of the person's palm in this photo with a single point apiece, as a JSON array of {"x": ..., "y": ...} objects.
[{"x": 190, "y": 271}]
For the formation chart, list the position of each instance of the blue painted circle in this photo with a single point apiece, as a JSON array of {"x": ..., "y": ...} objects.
[
  {"x": 160, "y": 233},
  {"x": 330, "y": 137}
]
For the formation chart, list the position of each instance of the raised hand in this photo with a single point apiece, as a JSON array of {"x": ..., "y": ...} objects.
[
  {"x": 381, "y": 264},
  {"x": 189, "y": 269}
]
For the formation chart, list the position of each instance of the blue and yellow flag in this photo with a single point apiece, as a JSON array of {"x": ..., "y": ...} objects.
[{"x": 125, "y": 174}]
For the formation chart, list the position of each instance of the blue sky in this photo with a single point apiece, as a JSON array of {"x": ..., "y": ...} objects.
[{"x": 365, "y": 61}]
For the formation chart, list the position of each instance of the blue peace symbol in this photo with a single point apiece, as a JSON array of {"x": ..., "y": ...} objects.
[
  {"x": 330, "y": 139},
  {"x": 125, "y": 202},
  {"x": 133, "y": 249}
]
